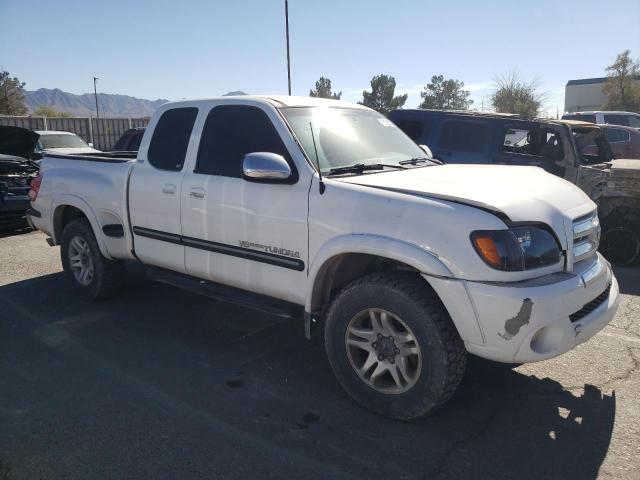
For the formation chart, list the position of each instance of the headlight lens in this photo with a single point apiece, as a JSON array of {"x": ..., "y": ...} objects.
[{"x": 516, "y": 249}]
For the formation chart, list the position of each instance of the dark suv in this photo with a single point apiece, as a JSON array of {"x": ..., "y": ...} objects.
[
  {"x": 576, "y": 151},
  {"x": 472, "y": 137}
]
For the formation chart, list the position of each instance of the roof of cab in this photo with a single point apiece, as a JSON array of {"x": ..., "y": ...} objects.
[{"x": 278, "y": 101}]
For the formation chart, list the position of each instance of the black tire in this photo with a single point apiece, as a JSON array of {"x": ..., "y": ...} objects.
[
  {"x": 407, "y": 296},
  {"x": 621, "y": 246},
  {"x": 107, "y": 275}
]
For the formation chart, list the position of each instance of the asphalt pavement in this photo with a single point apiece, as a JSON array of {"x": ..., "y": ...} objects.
[{"x": 160, "y": 383}]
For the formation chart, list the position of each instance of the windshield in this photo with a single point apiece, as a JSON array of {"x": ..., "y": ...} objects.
[
  {"x": 349, "y": 136},
  {"x": 61, "y": 140},
  {"x": 592, "y": 145}
]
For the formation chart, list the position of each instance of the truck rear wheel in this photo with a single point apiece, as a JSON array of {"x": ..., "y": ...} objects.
[
  {"x": 96, "y": 276},
  {"x": 393, "y": 346}
]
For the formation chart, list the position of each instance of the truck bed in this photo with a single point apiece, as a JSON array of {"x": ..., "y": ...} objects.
[{"x": 97, "y": 184}]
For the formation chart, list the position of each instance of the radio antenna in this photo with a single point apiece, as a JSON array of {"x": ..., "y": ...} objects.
[{"x": 321, "y": 185}]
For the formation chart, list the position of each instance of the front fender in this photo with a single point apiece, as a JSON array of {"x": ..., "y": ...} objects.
[
  {"x": 62, "y": 200},
  {"x": 416, "y": 256}
]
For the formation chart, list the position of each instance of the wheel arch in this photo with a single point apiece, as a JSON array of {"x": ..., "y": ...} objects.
[
  {"x": 68, "y": 208},
  {"x": 348, "y": 257}
]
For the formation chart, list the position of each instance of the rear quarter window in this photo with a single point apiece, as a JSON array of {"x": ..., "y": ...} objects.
[{"x": 170, "y": 140}]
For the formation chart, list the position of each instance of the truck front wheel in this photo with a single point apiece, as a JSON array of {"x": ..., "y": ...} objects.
[
  {"x": 392, "y": 345},
  {"x": 96, "y": 276}
]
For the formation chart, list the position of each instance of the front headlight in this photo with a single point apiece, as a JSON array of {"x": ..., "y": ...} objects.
[{"x": 516, "y": 249}]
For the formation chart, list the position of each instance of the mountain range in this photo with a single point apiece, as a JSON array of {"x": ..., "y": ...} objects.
[{"x": 111, "y": 105}]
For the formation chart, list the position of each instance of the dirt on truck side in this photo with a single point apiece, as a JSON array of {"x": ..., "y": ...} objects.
[{"x": 615, "y": 187}]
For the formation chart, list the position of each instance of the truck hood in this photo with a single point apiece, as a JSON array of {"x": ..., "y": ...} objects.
[
  {"x": 72, "y": 151},
  {"x": 17, "y": 142},
  {"x": 516, "y": 194}
]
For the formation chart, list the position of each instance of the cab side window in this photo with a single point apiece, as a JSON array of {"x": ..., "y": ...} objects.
[
  {"x": 229, "y": 133},
  {"x": 414, "y": 129},
  {"x": 170, "y": 140},
  {"x": 634, "y": 121},
  {"x": 533, "y": 141},
  {"x": 616, "y": 120},
  {"x": 615, "y": 135}
]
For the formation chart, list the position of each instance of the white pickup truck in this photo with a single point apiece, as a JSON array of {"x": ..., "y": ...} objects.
[{"x": 324, "y": 210}]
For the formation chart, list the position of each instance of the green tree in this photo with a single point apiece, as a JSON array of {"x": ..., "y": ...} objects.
[
  {"x": 381, "y": 97},
  {"x": 443, "y": 94},
  {"x": 11, "y": 96},
  {"x": 513, "y": 95},
  {"x": 622, "y": 90},
  {"x": 323, "y": 90},
  {"x": 48, "y": 111}
]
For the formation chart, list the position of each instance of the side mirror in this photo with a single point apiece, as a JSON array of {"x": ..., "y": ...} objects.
[
  {"x": 36, "y": 156},
  {"x": 91, "y": 144},
  {"x": 427, "y": 151},
  {"x": 266, "y": 167}
]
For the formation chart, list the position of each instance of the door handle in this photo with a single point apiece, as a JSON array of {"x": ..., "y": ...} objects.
[
  {"x": 196, "y": 193},
  {"x": 169, "y": 189}
]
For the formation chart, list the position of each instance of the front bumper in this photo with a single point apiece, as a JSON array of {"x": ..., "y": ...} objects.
[{"x": 536, "y": 319}]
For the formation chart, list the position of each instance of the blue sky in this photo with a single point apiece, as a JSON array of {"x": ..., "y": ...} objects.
[{"x": 177, "y": 49}]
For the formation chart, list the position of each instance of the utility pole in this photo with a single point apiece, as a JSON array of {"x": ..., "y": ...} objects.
[
  {"x": 95, "y": 94},
  {"x": 286, "y": 20}
]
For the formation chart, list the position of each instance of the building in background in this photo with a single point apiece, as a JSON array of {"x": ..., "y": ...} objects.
[{"x": 586, "y": 94}]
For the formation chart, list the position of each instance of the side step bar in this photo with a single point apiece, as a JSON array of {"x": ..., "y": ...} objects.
[{"x": 225, "y": 293}]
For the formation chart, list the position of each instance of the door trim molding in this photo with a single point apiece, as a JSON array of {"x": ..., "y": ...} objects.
[{"x": 222, "y": 248}]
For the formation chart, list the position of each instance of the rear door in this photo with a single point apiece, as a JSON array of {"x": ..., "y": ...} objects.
[{"x": 154, "y": 191}]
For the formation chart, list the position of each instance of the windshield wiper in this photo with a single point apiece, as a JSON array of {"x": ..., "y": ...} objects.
[
  {"x": 415, "y": 161},
  {"x": 362, "y": 167}
]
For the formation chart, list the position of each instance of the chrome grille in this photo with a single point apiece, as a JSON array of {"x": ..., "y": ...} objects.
[{"x": 586, "y": 236}]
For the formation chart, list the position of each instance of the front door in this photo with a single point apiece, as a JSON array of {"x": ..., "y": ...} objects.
[{"x": 239, "y": 232}]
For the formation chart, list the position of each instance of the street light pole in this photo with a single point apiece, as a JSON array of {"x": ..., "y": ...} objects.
[{"x": 286, "y": 19}]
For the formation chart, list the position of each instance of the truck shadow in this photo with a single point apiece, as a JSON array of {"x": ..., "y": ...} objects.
[
  {"x": 628, "y": 279},
  {"x": 160, "y": 379},
  {"x": 15, "y": 228}
]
